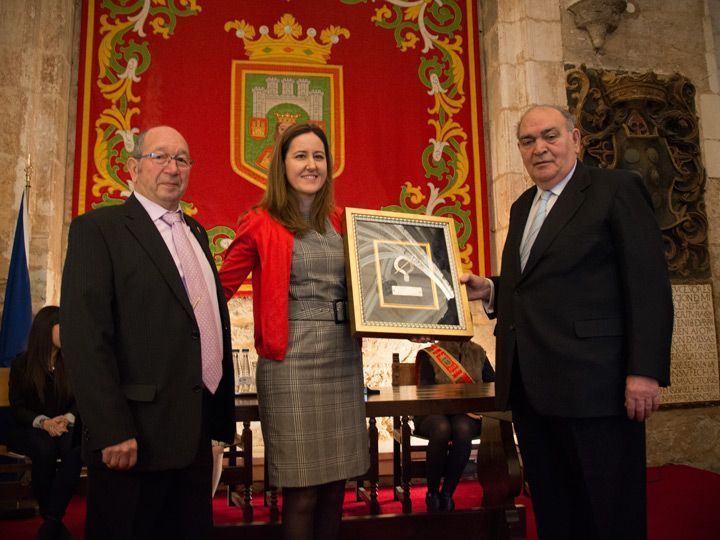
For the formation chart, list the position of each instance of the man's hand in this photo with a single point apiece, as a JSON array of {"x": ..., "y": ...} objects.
[
  {"x": 642, "y": 397},
  {"x": 121, "y": 456},
  {"x": 478, "y": 288}
]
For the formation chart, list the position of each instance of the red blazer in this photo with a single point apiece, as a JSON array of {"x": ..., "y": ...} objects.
[{"x": 264, "y": 247}]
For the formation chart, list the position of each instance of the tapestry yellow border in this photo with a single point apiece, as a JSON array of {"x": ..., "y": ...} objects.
[{"x": 85, "y": 137}]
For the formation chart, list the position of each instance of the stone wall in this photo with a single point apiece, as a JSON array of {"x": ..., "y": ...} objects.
[
  {"x": 711, "y": 29},
  {"x": 661, "y": 35},
  {"x": 37, "y": 46}
]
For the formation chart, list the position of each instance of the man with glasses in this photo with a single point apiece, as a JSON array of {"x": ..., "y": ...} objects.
[
  {"x": 584, "y": 324},
  {"x": 146, "y": 337}
]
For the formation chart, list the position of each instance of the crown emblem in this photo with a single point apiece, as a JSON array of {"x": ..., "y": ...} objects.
[
  {"x": 633, "y": 87},
  {"x": 286, "y": 118},
  {"x": 287, "y": 45}
]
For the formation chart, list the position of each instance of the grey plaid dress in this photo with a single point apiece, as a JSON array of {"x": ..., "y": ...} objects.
[{"x": 312, "y": 407}]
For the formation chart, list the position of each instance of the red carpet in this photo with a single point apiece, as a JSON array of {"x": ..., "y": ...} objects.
[{"x": 681, "y": 505}]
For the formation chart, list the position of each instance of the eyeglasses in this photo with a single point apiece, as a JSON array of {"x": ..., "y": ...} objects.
[{"x": 162, "y": 159}]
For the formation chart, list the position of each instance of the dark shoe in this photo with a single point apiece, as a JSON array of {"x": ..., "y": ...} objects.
[
  {"x": 432, "y": 502},
  {"x": 446, "y": 502},
  {"x": 53, "y": 529},
  {"x": 49, "y": 530},
  {"x": 64, "y": 533}
]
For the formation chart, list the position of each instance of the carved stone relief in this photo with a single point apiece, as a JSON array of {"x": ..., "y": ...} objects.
[
  {"x": 598, "y": 18},
  {"x": 647, "y": 123}
]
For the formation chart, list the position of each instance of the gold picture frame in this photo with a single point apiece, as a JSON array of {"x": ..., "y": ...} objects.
[{"x": 403, "y": 273}]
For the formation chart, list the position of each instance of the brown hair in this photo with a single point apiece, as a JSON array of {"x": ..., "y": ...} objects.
[
  {"x": 280, "y": 200},
  {"x": 39, "y": 351}
]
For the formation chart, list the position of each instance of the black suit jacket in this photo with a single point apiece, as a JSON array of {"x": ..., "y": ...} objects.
[
  {"x": 593, "y": 303},
  {"x": 132, "y": 344}
]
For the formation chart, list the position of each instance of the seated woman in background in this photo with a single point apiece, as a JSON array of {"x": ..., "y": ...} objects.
[
  {"x": 44, "y": 410},
  {"x": 449, "y": 362}
]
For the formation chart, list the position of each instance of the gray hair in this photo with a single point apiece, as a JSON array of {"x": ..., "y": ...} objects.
[
  {"x": 137, "y": 151},
  {"x": 569, "y": 117}
]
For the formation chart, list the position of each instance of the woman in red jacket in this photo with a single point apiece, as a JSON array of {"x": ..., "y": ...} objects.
[{"x": 309, "y": 374}]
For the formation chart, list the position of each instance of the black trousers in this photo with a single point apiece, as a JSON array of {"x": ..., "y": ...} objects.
[
  {"x": 176, "y": 503},
  {"x": 56, "y": 465},
  {"x": 586, "y": 475}
]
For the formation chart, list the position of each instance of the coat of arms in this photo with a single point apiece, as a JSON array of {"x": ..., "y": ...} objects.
[{"x": 285, "y": 81}]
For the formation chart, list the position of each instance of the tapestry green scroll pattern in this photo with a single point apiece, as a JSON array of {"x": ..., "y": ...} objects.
[{"x": 395, "y": 85}]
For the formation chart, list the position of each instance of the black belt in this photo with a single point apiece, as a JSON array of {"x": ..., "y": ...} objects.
[{"x": 311, "y": 310}]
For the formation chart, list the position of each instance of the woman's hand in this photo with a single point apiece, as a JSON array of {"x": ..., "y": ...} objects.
[
  {"x": 53, "y": 428},
  {"x": 61, "y": 420}
]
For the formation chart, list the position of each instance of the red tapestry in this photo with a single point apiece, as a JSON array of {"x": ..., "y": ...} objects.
[{"x": 394, "y": 83}]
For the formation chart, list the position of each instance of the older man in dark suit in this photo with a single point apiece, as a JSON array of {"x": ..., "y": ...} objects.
[
  {"x": 146, "y": 337},
  {"x": 584, "y": 325}
]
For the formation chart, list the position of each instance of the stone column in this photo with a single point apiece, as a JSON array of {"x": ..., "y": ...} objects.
[{"x": 37, "y": 40}]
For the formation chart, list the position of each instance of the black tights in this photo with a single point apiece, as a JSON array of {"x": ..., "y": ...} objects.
[
  {"x": 314, "y": 512},
  {"x": 53, "y": 482},
  {"x": 445, "y": 459}
]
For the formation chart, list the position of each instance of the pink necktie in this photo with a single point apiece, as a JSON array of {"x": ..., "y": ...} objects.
[{"x": 200, "y": 301}]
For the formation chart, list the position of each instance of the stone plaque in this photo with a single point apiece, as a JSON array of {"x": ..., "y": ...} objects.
[{"x": 694, "y": 370}]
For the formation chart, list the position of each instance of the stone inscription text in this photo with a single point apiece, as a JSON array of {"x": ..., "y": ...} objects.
[{"x": 694, "y": 370}]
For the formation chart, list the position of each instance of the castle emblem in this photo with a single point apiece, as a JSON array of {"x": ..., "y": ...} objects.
[{"x": 286, "y": 80}]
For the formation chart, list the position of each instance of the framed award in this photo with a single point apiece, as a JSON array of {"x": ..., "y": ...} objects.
[{"x": 403, "y": 275}]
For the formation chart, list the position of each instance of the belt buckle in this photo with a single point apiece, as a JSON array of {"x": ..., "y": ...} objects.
[{"x": 340, "y": 311}]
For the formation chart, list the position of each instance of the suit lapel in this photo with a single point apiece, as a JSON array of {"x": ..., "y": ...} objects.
[
  {"x": 202, "y": 238},
  {"x": 145, "y": 232},
  {"x": 570, "y": 200}
]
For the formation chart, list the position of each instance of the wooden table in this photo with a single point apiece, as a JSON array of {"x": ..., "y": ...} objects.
[{"x": 498, "y": 464}]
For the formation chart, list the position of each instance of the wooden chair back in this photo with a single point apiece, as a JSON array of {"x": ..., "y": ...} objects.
[
  {"x": 15, "y": 493},
  {"x": 5, "y": 387}
]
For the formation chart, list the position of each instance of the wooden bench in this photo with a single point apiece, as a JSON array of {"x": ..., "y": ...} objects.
[{"x": 16, "y": 498}]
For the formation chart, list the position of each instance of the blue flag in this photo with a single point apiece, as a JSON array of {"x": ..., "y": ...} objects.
[{"x": 17, "y": 310}]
